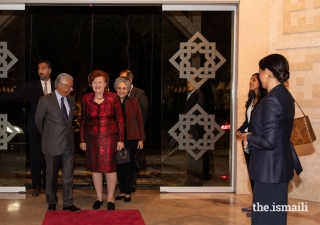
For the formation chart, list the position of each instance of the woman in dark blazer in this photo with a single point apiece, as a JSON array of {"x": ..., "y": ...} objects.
[
  {"x": 255, "y": 95},
  {"x": 133, "y": 135},
  {"x": 271, "y": 153}
]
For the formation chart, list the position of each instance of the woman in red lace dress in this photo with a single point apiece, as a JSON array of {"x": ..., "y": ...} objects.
[{"x": 101, "y": 134}]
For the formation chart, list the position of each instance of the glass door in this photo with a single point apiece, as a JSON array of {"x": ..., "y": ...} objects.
[
  {"x": 197, "y": 101},
  {"x": 12, "y": 113}
]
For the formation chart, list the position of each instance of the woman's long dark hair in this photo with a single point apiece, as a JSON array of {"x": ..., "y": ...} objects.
[{"x": 260, "y": 94}]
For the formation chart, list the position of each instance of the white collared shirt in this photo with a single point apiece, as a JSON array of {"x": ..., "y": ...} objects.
[
  {"x": 130, "y": 90},
  {"x": 64, "y": 100},
  {"x": 249, "y": 110},
  {"x": 190, "y": 93}
]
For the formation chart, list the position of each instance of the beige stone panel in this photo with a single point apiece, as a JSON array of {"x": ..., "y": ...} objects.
[
  {"x": 308, "y": 93},
  {"x": 316, "y": 21},
  {"x": 300, "y": 81},
  {"x": 253, "y": 45},
  {"x": 299, "y": 97},
  {"x": 301, "y": 5},
  {"x": 305, "y": 63},
  {"x": 306, "y": 186},
  {"x": 286, "y": 23},
  {"x": 316, "y": 92},
  {"x": 297, "y": 17}
]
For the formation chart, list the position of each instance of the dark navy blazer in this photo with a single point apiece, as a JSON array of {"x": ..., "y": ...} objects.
[
  {"x": 271, "y": 152},
  {"x": 32, "y": 91}
]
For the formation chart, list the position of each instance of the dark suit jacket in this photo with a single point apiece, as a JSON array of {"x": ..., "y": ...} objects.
[
  {"x": 269, "y": 144},
  {"x": 143, "y": 101},
  {"x": 53, "y": 127},
  {"x": 134, "y": 121},
  {"x": 247, "y": 124},
  {"x": 32, "y": 91},
  {"x": 195, "y": 98}
]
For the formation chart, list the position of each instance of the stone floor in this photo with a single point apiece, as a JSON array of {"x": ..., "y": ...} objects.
[{"x": 156, "y": 208}]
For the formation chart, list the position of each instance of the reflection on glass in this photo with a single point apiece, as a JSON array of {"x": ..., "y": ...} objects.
[
  {"x": 12, "y": 78},
  {"x": 14, "y": 206},
  {"x": 77, "y": 40},
  {"x": 210, "y": 71}
]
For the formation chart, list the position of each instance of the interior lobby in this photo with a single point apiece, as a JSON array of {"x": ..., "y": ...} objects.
[{"x": 150, "y": 37}]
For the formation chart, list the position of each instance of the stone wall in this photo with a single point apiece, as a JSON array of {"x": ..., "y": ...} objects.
[{"x": 290, "y": 28}]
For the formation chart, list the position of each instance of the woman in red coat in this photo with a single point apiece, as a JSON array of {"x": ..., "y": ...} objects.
[
  {"x": 133, "y": 137},
  {"x": 101, "y": 134}
]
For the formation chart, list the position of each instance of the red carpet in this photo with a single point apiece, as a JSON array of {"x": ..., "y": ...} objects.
[{"x": 94, "y": 217}]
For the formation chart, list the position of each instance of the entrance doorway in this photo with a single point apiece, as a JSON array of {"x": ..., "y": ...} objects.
[{"x": 144, "y": 39}]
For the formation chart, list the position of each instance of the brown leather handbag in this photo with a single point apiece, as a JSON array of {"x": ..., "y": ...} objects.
[{"x": 302, "y": 132}]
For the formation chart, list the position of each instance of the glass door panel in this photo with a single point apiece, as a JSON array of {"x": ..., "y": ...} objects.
[
  {"x": 13, "y": 142},
  {"x": 196, "y": 139}
]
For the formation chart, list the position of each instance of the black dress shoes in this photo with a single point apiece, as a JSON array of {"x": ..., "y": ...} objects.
[
  {"x": 119, "y": 197},
  {"x": 36, "y": 191},
  {"x": 127, "y": 199},
  {"x": 52, "y": 207},
  {"x": 248, "y": 209},
  {"x": 97, "y": 204},
  {"x": 72, "y": 208},
  {"x": 111, "y": 206}
]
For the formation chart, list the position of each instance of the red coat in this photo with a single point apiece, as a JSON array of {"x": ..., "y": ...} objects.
[
  {"x": 101, "y": 127},
  {"x": 104, "y": 118},
  {"x": 134, "y": 121}
]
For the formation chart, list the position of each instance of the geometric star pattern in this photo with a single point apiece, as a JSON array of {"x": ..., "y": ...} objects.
[
  {"x": 5, "y": 55},
  {"x": 4, "y": 138},
  {"x": 185, "y": 54},
  {"x": 183, "y": 126}
]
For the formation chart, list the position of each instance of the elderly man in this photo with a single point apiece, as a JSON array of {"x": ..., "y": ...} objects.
[{"x": 54, "y": 118}]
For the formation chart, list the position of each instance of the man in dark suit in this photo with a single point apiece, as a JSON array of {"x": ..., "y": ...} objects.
[
  {"x": 194, "y": 167},
  {"x": 54, "y": 117},
  {"x": 32, "y": 91},
  {"x": 138, "y": 94},
  {"x": 143, "y": 102}
]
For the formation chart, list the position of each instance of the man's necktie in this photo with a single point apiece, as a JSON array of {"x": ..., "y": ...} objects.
[
  {"x": 45, "y": 90},
  {"x": 64, "y": 110}
]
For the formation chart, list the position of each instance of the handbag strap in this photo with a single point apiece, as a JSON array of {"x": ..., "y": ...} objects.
[
  {"x": 299, "y": 107},
  {"x": 125, "y": 152}
]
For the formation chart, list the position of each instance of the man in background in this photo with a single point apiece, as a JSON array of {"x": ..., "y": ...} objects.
[
  {"x": 195, "y": 168},
  {"x": 32, "y": 91}
]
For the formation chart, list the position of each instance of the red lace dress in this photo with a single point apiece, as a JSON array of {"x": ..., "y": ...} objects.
[{"x": 101, "y": 127}]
